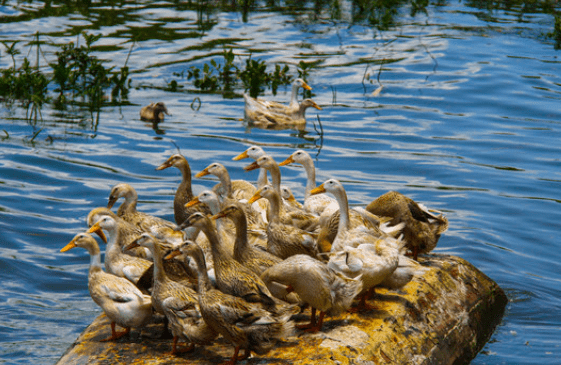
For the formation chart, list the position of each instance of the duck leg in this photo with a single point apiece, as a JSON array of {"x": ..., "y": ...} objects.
[
  {"x": 235, "y": 358},
  {"x": 115, "y": 335},
  {"x": 362, "y": 305},
  {"x": 175, "y": 351},
  {"x": 313, "y": 326}
]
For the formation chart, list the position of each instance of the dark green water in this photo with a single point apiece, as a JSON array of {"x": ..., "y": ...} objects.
[{"x": 468, "y": 122}]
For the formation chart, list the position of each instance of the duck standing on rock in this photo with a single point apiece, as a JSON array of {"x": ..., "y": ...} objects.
[
  {"x": 422, "y": 229},
  {"x": 123, "y": 303},
  {"x": 245, "y": 325},
  {"x": 178, "y": 302}
]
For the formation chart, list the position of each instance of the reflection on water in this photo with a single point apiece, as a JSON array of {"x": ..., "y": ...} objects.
[{"x": 467, "y": 122}]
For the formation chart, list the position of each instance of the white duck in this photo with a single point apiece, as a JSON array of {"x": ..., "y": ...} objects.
[{"x": 123, "y": 303}]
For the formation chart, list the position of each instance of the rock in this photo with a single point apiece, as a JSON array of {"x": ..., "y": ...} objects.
[{"x": 444, "y": 316}]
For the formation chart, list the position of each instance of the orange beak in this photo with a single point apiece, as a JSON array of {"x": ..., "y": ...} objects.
[
  {"x": 97, "y": 229},
  {"x": 320, "y": 189},
  {"x": 241, "y": 156},
  {"x": 287, "y": 161}
]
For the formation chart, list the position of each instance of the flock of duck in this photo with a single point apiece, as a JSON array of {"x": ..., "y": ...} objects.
[{"x": 241, "y": 260}]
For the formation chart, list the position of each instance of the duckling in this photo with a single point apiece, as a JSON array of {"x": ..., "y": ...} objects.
[
  {"x": 123, "y": 303},
  {"x": 284, "y": 240},
  {"x": 422, "y": 229},
  {"x": 231, "y": 277},
  {"x": 317, "y": 284},
  {"x": 245, "y": 325},
  {"x": 154, "y": 112},
  {"x": 178, "y": 302}
]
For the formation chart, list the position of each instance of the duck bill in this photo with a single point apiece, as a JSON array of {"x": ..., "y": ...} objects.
[
  {"x": 320, "y": 189},
  {"x": 218, "y": 216},
  {"x": 193, "y": 202},
  {"x": 172, "y": 254},
  {"x": 203, "y": 173},
  {"x": 111, "y": 202},
  {"x": 306, "y": 86},
  {"x": 241, "y": 156},
  {"x": 253, "y": 166},
  {"x": 69, "y": 246},
  {"x": 254, "y": 198},
  {"x": 317, "y": 106},
  {"x": 163, "y": 166},
  {"x": 287, "y": 161},
  {"x": 133, "y": 244},
  {"x": 96, "y": 228}
]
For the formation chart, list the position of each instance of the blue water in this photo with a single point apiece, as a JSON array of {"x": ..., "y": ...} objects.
[{"x": 467, "y": 122}]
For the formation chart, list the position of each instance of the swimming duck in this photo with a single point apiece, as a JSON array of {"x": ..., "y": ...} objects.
[
  {"x": 348, "y": 235},
  {"x": 272, "y": 119},
  {"x": 372, "y": 263},
  {"x": 272, "y": 106},
  {"x": 184, "y": 192},
  {"x": 178, "y": 302},
  {"x": 422, "y": 228},
  {"x": 317, "y": 284},
  {"x": 123, "y": 303},
  {"x": 245, "y": 325},
  {"x": 312, "y": 203},
  {"x": 161, "y": 228},
  {"x": 231, "y": 277},
  {"x": 154, "y": 112},
  {"x": 284, "y": 240}
]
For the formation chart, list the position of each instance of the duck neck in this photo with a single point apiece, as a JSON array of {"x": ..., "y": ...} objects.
[
  {"x": 311, "y": 175},
  {"x": 275, "y": 178},
  {"x": 274, "y": 208},
  {"x": 344, "y": 221},
  {"x": 294, "y": 95},
  {"x": 185, "y": 185},
  {"x": 203, "y": 282},
  {"x": 129, "y": 204},
  {"x": 95, "y": 260},
  {"x": 262, "y": 180},
  {"x": 241, "y": 244},
  {"x": 159, "y": 273},
  {"x": 226, "y": 188},
  {"x": 218, "y": 252}
]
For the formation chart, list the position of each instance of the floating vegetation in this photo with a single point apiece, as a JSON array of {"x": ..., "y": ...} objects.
[
  {"x": 77, "y": 77},
  {"x": 226, "y": 76}
]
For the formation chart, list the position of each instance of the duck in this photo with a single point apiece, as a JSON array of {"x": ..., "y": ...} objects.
[
  {"x": 122, "y": 302},
  {"x": 314, "y": 204},
  {"x": 299, "y": 218},
  {"x": 288, "y": 197},
  {"x": 316, "y": 284},
  {"x": 422, "y": 229},
  {"x": 363, "y": 230},
  {"x": 129, "y": 232},
  {"x": 184, "y": 192},
  {"x": 237, "y": 189},
  {"x": 254, "y": 152},
  {"x": 179, "y": 303},
  {"x": 272, "y": 106},
  {"x": 116, "y": 262},
  {"x": 231, "y": 277},
  {"x": 161, "y": 228},
  {"x": 154, "y": 112},
  {"x": 273, "y": 119},
  {"x": 243, "y": 324},
  {"x": 284, "y": 240},
  {"x": 372, "y": 263}
]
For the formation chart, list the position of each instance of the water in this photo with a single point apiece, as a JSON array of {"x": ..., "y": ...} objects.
[{"x": 468, "y": 123}]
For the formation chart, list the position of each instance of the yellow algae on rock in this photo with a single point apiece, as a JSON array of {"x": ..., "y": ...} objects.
[{"x": 443, "y": 316}]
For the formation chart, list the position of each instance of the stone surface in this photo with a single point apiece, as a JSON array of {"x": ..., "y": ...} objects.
[{"x": 443, "y": 316}]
